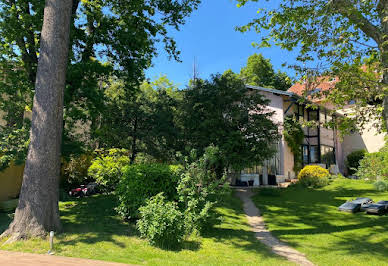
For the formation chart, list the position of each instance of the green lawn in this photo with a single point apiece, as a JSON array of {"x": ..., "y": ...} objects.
[
  {"x": 308, "y": 220},
  {"x": 92, "y": 230}
]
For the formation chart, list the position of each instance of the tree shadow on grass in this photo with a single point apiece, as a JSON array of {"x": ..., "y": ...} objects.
[
  {"x": 301, "y": 212},
  {"x": 235, "y": 230},
  {"x": 94, "y": 220}
]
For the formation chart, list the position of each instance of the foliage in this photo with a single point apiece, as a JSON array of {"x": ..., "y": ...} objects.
[
  {"x": 74, "y": 170},
  {"x": 144, "y": 121},
  {"x": 223, "y": 112},
  {"x": 13, "y": 145},
  {"x": 381, "y": 185},
  {"x": 348, "y": 39},
  {"x": 367, "y": 111},
  {"x": 161, "y": 222},
  {"x": 106, "y": 168},
  {"x": 259, "y": 72},
  {"x": 199, "y": 189},
  {"x": 374, "y": 166},
  {"x": 140, "y": 182},
  {"x": 353, "y": 160},
  {"x": 108, "y": 38},
  {"x": 294, "y": 136},
  {"x": 313, "y": 176}
]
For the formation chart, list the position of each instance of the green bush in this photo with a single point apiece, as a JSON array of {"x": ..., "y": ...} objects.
[
  {"x": 199, "y": 189},
  {"x": 161, "y": 222},
  {"x": 74, "y": 171},
  {"x": 140, "y": 182},
  {"x": 381, "y": 185},
  {"x": 313, "y": 176},
  {"x": 294, "y": 136},
  {"x": 353, "y": 161},
  {"x": 374, "y": 166},
  {"x": 106, "y": 168}
]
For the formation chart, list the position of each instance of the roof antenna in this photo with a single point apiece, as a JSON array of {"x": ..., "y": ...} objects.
[{"x": 195, "y": 71}]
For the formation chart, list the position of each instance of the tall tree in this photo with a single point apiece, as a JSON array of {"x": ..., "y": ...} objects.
[
  {"x": 336, "y": 32},
  {"x": 38, "y": 211},
  {"x": 107, "y": 38},
  {"x": 141, "y": 122},
  {"x": 259, "y": 72},
  {"x": 223, "y": 112}
]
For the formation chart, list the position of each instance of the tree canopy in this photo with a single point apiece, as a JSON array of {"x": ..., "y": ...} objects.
[
  {"x": 143, "y": 121},
  {"x": 221, "y": 111},
  {"x": 259, "y": 72},
  {"x": 339, "y": 34},
  {"x": 108, "y": 38}
]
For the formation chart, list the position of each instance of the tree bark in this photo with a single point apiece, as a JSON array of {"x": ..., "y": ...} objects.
[
  {"x": 383, "y": 12},
  {"x": 37, "y": 211}
]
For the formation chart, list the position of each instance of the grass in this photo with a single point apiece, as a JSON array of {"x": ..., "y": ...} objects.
[
  {"x": 93, "y": 230},
  {"x": 308, "y": 220}
]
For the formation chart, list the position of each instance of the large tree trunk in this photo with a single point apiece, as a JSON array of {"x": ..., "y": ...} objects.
[
  {"x": 384, "y": 56},
  {"x": 37, "y": 212}
]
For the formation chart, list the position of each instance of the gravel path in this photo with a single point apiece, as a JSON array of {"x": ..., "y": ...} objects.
[
  {"x": 8, "y": 258},
  {"x": 256, "y": 221}
]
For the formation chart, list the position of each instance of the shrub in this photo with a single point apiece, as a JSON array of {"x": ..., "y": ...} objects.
[
  {"x": 106, "y": 168},
  {"x": 374, "y": 166},
  {"x": 140, "y": 182},
  {"x": 294, "y": 136},
  {"x": 161, "y": 222},
  {"x": 199, "y": 189},
  {"x": 381, "y": 185},
  {"x": 353, "y": 160},
  {"x": 313, "y": 176},
  {"x": 74, "y": 170}
]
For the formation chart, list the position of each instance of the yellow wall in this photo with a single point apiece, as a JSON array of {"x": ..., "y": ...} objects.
[{"x": 11, "y": 181}]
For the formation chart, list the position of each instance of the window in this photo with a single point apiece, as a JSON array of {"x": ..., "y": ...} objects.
[
  {"x": 253, "y": 170},
  {"x": 310, "y": 154},
  {"x": 300, "y": 112},
  {"x": 305, "y": 152},
  {"x": 314, "y": 154},
  {"x": 313, "y": 116}
]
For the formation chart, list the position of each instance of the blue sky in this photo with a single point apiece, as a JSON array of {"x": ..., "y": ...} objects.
[{"x": 209, "y": 36}]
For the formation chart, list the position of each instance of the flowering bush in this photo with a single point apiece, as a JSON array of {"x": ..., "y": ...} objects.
[{"x": 313, "y": 176}]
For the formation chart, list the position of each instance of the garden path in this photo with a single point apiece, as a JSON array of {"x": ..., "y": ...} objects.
[{"x": 256, "y": 221}]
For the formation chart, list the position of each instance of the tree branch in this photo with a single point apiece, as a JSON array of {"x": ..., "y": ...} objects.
[{"x": 348, "y": 10}]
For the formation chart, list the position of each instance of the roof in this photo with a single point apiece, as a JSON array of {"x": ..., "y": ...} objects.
[
  {"x": 287, "y": 93},
  {"x": 322, "y": 83}
]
